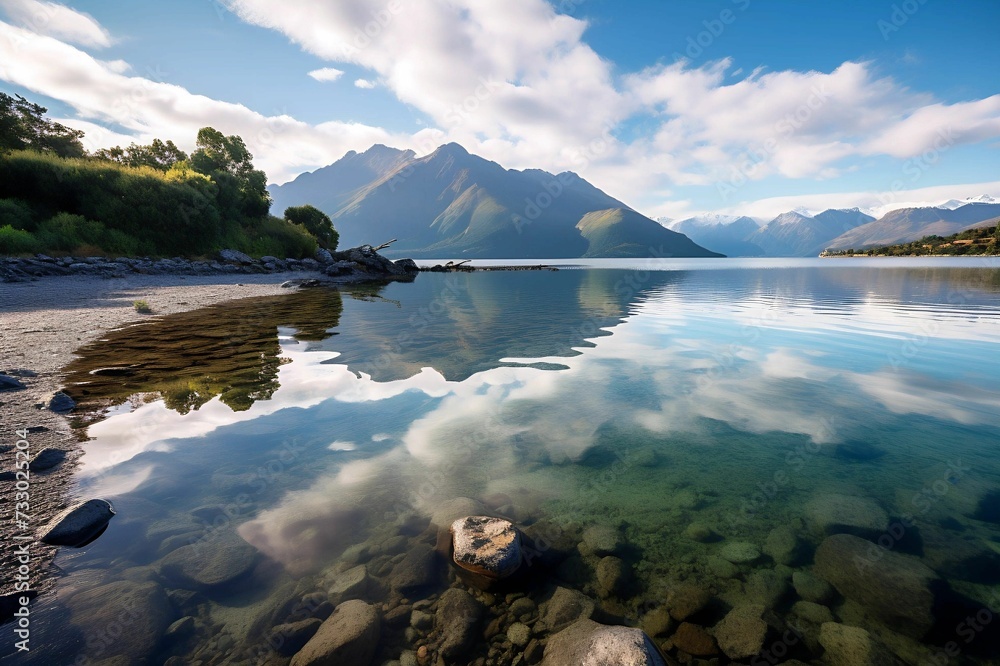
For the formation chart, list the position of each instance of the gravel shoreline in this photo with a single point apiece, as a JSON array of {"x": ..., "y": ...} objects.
[{"x": 42, "y": 323}]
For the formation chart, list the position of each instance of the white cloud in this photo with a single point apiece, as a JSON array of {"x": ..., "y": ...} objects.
[
  {"x": 510, "y": 83},
  {"x": 56, "y": 20},
  {"x": 326, "y": 74},
  {"x": 877, "y": 203},
  {"x": 143, "y": 108},
  {"x": 519, "y": 85}
]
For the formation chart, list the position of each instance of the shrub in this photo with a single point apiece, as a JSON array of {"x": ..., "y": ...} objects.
[
  {"x": 17, "y": 241},
  {"x": 142, "y": 307},
  {"x": 16, "y": 213}
]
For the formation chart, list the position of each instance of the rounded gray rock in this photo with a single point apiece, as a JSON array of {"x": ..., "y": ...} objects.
[
  {"x": 587, "y": 643},
  {"x": 349, "y": 636},
  {"x": 79, "y": 525}
]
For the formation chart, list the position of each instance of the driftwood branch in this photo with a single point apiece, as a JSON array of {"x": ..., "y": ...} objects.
[
  {"x": 456, "y": 264},
  {"x": 385, "y": 245}
]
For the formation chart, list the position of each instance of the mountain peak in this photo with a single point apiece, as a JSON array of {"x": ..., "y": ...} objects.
[{"x": 451, "y": 149}]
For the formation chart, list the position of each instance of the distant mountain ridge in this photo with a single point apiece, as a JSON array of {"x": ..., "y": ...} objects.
[
  {"x": 798, "y": 233},
  {"x": 910, "y": 224},
  {"x": 452, "y": 204}
]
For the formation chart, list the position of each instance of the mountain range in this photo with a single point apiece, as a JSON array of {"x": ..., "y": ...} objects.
[
  {"x": 452, "y": 204},
  {"x": 799, "y": 233}
]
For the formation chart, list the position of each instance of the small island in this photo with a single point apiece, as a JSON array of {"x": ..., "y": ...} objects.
[{"x": 983, "y": 240}]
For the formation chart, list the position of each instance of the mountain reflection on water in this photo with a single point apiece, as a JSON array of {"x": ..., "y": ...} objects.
[{"x": 651, "y": 401}]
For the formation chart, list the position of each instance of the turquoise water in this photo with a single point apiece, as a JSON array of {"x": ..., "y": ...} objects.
[{"x": 655, "y": 397}]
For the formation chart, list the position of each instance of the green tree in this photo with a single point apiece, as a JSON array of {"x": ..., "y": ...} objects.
[
  {"x": 23, "y": 126},
  {"x": 158, "y": 155},
  {"x": 316, "y": 222},
  {"x": 229, "y": 163}
]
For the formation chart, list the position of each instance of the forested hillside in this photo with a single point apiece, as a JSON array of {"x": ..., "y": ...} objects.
[{"x": 141, "y": 200}]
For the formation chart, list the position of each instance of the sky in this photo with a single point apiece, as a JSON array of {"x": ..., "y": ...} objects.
[{"x": 674, "y": 107}]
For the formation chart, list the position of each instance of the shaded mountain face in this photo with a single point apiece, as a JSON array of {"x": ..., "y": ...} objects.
[
  {"x": 910, "y": 224},
  {"x": 794, "y": 234},
  {"x": 724, "y": 234},
  {"x": 454, "y": 204},
  {"x": 332, "y": 186}
]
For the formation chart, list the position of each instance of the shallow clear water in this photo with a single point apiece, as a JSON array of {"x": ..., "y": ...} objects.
[{"x": 644, "y": 395}]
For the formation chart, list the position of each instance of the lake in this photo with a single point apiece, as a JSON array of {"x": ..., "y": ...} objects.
[{"x": 674, "y": 438}]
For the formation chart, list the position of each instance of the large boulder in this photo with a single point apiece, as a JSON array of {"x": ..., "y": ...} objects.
[
  {"x": 490, "y": 547},
  {"x": 897, "y": 589},
  {"x": 79, "y": 525},
  {"x": 349, "y": 636},
  {"x": 351, "y": 584},
  {"x": 587, "y": 643},
  {"x": 234, "y": 257},
  {"x": 212, "y": 563},
  {"x": 853, "y": 646},
  {"x": 830, "y": 514},
  {"x": 457, "y": 618}
]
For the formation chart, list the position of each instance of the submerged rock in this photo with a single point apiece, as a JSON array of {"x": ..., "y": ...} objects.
[
  {"x": 842, "y": 514},
  {"x": 587, "y": 643},
  {"x": 686, "y": 599},
  {"x": 988, "y": 509},
  {"x": 564, "y": 608},
  {"x": 694, "y": 640},
  {"x": 486, "y": 546},
  {"x": 742, "y": 632},
  {"x": 960, "y": 556},
  {"x": 784, "y": 546},
  {"x": 613, "y": 576},
  {"x": 416, "y": 571},
  {"x": 79, "y": 525},
  {"x": 121, "y": 619},
  {"x": 739, "y": 552},
  {"x": 603, "y": 540},
  {"x": 290, "y": 638},
  {"x": 811, "y": 588},
  {"x": 349, "y": 636},
  {"x": 214, "y": 562},
  {"x": 457, "y": 618},
  {"x": 351, "y": 584},
  {"x": 897, "y": 589},
  {"x": 853, "y": 646}
]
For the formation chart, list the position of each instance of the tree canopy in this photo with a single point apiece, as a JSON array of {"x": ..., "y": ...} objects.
[
  {"x": 158, "y": 155},
  {"x": 23, "y": 126},
  {"x": 316, "y": 222}
]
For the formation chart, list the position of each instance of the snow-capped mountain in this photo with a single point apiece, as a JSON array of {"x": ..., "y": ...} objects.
[{"x": 952, "y": 204}]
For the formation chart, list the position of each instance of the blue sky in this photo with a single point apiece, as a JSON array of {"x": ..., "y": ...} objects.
[{"x": 772, "y": 105}]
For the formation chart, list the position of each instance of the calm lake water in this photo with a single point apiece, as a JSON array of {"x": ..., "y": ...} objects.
[{"x": 690, "y": 405}]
